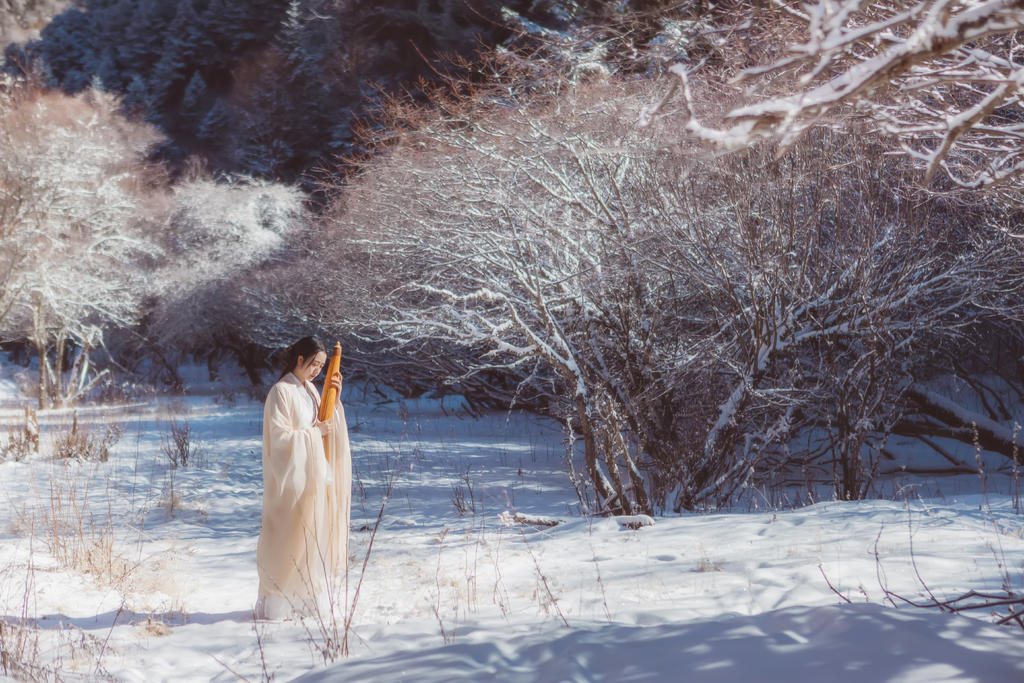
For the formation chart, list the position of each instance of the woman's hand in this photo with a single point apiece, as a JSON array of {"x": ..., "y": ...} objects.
[
  {"x": 324, "y": 427},
  {"x": 335, "y": 382}
]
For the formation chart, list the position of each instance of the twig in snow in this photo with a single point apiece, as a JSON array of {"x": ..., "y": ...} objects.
[
  {"x": 834, "y": 589},
  {"x": 543, "y": 579}
]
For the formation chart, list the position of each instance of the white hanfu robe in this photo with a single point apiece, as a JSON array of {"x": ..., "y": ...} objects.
[{"x": 307, "y": 496}]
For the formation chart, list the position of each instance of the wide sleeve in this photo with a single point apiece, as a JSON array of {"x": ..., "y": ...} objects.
[
  {"x": 340, "y": 431},
  {"x": 339, "y": 492},
  {"x": 293, "y": 455}
]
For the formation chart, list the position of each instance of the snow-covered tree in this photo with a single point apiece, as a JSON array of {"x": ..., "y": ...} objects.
[
  {"x": 218, "y": 227},
  {"x": 74, "y": 250},
  {"x": 20, "y": 18}
]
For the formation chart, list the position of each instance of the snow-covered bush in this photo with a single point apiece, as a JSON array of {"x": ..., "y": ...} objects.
[
  {"x": 824, "y": 299},
  {"x": 219, "y": 235},
  {"x": 515, "y": 238},
  {"x": 215, "y": 228},
  {"x": 81, "y": 442}
]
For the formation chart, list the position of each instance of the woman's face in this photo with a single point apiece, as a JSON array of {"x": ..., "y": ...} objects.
[{"x": 308, "y": 370}]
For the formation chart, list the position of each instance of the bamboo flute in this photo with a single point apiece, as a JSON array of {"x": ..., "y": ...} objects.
[{"x": 330, "y": 395}]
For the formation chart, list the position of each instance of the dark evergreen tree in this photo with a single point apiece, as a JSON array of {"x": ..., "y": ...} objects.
[
  {"x": 194, "y": 100},
  {"x": 229, "y": 25},
  {"x": 185, "y": 38},
  {"x": 167, "y": 80},
  {"x": 75, "y": 81},
  {"x": 109, "y": 22},
  {"x": 168, "y": 77},
  {"x": 140, "y": 48},
  {"x": 108, "y": 72},
  {"x": 64, "y": 46},
  {"x": 137, "y": 100},
  {"x": 264, "y": 18},
  {"x": 222, "y": 42},
  {"x": 102, "y": 5},
  {"x": 214, "y": 123}
]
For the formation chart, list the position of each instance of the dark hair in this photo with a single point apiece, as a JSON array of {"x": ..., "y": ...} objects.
[{"x": 307, "y": 347}]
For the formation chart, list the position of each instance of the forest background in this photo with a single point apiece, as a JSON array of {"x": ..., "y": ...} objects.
[{"x": 725, "y": 245}]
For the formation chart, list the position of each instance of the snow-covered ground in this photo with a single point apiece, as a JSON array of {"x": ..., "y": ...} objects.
[{"x": 139, "y": 592}]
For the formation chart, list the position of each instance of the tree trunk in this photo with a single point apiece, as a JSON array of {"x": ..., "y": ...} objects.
[
  {"x": 605, "y": 495},
  {"x": 959, "y": 423},
  {"x": 57, "y": 374},
  {"x": 43, "y": 389}
]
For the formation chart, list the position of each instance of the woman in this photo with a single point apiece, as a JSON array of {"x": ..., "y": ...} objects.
[{"x": 307, "y": 490}]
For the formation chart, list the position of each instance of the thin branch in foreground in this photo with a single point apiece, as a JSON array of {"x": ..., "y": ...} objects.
[
  {"x": 543, "y": 579},
  {"x": 965, "y": 602},
  {"x": 390, "y": 485},
  {"x": 834, "y": 589}
]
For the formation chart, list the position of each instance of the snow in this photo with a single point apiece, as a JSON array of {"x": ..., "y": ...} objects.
[
  {"x": 853, "y": 643},
  {"x": 726, "y": 596}
]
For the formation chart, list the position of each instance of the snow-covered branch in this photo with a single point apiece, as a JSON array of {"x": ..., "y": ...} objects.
[{"x": 942, "y": 77}]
